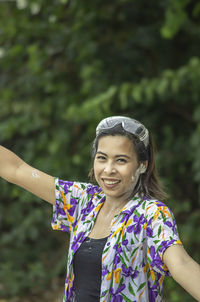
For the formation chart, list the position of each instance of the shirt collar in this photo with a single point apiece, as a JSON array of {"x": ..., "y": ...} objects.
[{"x": 131, "y": 205}]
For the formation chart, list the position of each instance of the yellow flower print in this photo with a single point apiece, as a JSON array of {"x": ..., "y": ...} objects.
[
  {"x": 152, "y": 275},
  {"x": 98, "y": 207},
  {"x": 116, "y": 232},
  {"x": 156, "y": 214},
  {"x": 70, "y": 278},
  {"x": 70, "y": 219},
  {"x": 63, "y": 197},
  {"x": 57, "y": 226},
  {"x": 164, "y": 210},
  {"x": 117, "y": 274},
  {"x": 109, "y": 276}
]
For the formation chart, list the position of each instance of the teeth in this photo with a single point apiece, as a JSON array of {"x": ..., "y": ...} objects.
[{"x": 110, "y": 182}]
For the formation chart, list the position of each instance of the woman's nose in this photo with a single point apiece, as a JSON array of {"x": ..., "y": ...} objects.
[{"x": 109, "y": 168}]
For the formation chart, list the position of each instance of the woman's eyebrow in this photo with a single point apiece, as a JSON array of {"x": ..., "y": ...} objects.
[
  {"x": 122, "y": 155},
  {"x": 99, "y": 152},
  {"x": 118, "y": 155}
]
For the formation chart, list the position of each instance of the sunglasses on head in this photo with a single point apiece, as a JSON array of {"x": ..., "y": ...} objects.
[{"x": 128, "y": 124}]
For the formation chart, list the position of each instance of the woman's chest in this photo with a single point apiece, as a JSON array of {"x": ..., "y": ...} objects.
[{"x": 102, "y": 226}]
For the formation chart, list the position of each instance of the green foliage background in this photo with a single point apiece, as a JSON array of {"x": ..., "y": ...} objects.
[{"x": 64, "y": 66}]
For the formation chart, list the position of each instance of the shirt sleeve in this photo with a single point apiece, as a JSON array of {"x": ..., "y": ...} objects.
[
  {"x": 161, "y": 233},
  {"x": 69, "y": 198}
]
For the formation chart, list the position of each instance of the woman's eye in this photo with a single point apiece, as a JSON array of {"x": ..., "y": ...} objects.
[
  {"x": 121, "y": 160},
  {"x": 100, "y": 157}
]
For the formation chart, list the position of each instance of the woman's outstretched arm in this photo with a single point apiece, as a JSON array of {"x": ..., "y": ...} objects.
[
  {"x": 15, "y": 170},
  {"x": 183, "y": 269}
]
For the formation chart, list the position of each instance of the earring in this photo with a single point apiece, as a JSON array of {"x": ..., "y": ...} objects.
[
  {"x": 136, "y": 176},
  {"x": 142, "y": 168}
]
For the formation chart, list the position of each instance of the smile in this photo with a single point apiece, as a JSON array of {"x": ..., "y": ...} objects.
[{"x": 110, "y": 182}]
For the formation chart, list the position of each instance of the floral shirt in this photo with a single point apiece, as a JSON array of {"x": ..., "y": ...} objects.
[{"x": 132, "y": 259}]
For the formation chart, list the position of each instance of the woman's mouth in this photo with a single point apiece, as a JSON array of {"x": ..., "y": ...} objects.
[{"x": 110, "y": 183}]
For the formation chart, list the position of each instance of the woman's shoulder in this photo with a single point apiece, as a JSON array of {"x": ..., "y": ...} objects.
[
  {"x": 77, "y": 186},
  {"x": 154, "y": 208}
]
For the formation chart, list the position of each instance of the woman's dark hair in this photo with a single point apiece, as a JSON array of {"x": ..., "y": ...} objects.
[{"x": 148, "y": 184}]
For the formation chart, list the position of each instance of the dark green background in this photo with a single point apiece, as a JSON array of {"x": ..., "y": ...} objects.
[{"x": 64, "y": 65}]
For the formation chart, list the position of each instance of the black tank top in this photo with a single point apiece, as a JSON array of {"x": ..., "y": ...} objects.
[{"x": 87, "y": 270}]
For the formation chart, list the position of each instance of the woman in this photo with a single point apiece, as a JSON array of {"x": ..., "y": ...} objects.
[{"x": 123, "y": 239}]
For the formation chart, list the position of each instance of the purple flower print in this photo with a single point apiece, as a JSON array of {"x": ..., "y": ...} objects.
[
  {"x": 64, "y": 228},
  {"x": 172, "y": 226},
  {"x": 156, "y": 260},
  {"x": 116, "y": 260},
  {"x": 166, "y": 244},
  {"x": 66, "y": 188},
  {"x": 74, "y": 203},
  {"x": 160, "y": 204},
  {"x": 117, "y": 248},
  {"x": 130, "y": 212},
  {"x": 79, "y": 238},
  {"x": 115, "y": 295},
  {"x": 140, "y": 221},
  {"x": 105, "y": 271},
  {"x": 129, "y": 272},
  {"x": 124, "y": 217},
  {"x": 85, "y": 211},
  {"x": 130, "y": 229},
  {"x": 72, "y": 210},
  {"x": 91, "y": 190},
  {"x": 59, "y": 210},
  {"x": 66, "y": 185},
  {"x": 69, "y": 293},
  {"x": 148, "y": 229},
  {"x": 61, "y": 182},
  {"x": 125, "y": 242},
  {"x": 149, "y": 232},
  {"x": 118, "y": 251},
  {"x": 153, "y": 293}
]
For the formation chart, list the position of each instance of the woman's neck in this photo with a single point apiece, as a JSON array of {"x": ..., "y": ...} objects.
[{"x": 113, "y": 205}]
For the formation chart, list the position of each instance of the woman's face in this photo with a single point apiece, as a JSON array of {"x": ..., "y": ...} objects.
[{"x": 115, "y": 166}]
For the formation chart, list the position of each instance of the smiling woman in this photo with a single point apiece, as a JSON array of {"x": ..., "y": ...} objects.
[
  {"x": 143, "y": 148},
  {"x": 123, "y": 237}
]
